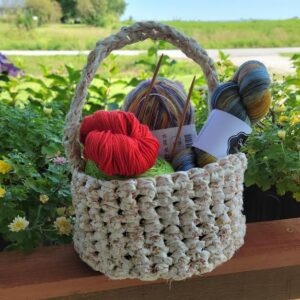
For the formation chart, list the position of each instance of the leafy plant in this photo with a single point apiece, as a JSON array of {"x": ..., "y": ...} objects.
[
  {"x": 35, "y": 200},
  {"x": 273, "y": 149},
  {"x": 100, "y": 12},
  {"x": 151, "y": 59},
  {"x": 36, "y": 183},
  {"x": 24, "y": 20},
  {"x": 44, "y": 10}
]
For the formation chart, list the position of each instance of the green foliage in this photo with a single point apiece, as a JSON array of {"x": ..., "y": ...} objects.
[
  {"x": 149, "y": 62},
  {"x": 31, "y": 141},
  {"x": 31, "y": 131},
  {"x": 68, "y": 8},
  {"x": 46, "y": 10},
  {"x": 211, "y": 35},
  {"x": 100, "y": 12},
  {"x": 116, "y": 7},
  {"x": 24, "y": 20}
]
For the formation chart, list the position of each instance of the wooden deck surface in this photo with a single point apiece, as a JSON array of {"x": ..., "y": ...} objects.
[{"x": 266, "y": 267}]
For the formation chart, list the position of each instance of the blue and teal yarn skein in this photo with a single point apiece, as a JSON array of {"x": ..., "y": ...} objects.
[
  {"x": 246, "y": 96},
  {"x": 184, "y": 160},
  {"x": 253, "y": 80},
  {"x": 163, "y": 109},
  {"x": 226, "y": 97}
]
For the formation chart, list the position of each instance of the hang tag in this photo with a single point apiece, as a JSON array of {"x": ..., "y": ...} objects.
[
  {"x": 166, "y": 138},
  {"x": 222, "y": 134}
]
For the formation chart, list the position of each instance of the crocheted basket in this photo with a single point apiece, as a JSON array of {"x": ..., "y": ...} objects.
[{"x": 170, "y": 226}]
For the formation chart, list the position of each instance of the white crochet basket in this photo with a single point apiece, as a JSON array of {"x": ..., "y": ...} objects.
[{"x": 170, "y": 226}]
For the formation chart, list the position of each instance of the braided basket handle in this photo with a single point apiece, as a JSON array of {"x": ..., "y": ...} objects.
[{"x": 128, "y": 35}]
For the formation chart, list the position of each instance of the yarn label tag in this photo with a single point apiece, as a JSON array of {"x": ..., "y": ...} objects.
[
  {"x": 222, "y": 134},
  {"x": 166, "y": 138}
]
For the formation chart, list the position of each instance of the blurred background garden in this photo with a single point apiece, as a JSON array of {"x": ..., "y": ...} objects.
[{"x": 36, "y": 88}]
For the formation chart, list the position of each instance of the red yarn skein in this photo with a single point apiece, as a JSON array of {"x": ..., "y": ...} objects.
[{"x": 118, "y": 143}]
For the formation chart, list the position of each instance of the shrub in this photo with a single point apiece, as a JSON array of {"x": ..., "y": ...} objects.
[
  {"x": 68, "y": 8},
  {"x": 100, "y": 12},
  {"x": 46, "y": 10},
  {"x": 34, "y": 178},
  {"x": 24, "y": 20},
  {"x": 35, "y": 200}
]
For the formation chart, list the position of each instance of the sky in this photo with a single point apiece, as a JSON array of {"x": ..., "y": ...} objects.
[{"x": 211, "y": 10}]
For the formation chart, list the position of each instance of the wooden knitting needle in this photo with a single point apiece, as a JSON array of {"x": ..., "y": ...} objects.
[
  {"x": 183, "y": 116},
  {"x": 154, "y": 77}
]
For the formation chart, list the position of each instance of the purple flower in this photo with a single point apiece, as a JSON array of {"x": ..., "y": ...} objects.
[
  {"x": 8, "y": 68},
  {"x": 59, "y": 160}
]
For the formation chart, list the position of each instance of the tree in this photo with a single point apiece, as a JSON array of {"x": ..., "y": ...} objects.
[
  {"x": 116, "y": 7},
  {"x": 45, "y": 10},
  {"x": 68, "y": 8},
  {"x": 100, "y": 12}
]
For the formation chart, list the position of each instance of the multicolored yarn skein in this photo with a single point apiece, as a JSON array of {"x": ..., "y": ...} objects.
[
  {"x": 118, "y": 143},
  {"x": 163, "y": 108},
  {"x": 247, "y": 97}
]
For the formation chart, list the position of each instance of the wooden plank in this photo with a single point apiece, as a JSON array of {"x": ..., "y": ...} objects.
[
  {"x": 275, "y": 284},
  {"x": 57, "y": 271},
  {"x": 282, "y": 283},
  {"x": 268, "y": 245}
]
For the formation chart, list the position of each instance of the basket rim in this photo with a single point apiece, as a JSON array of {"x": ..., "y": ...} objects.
[{"x": 241, "y": 156}]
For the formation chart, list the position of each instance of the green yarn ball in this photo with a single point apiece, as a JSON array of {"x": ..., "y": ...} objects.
[{"x": 161, "y": 167}]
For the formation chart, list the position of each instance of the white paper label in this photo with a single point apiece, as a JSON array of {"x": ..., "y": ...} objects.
[
  {"x": 222, "y": 134},
  {"x": 166, "y": 138}
]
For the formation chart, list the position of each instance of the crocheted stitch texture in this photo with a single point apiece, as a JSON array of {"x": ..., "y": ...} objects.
[{"x": 171, "y": 226}]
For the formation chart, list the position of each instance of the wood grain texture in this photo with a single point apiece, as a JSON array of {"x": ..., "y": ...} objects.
[
  {"x": 275, "y": 284},
  {"x": 271, "y": 254}
]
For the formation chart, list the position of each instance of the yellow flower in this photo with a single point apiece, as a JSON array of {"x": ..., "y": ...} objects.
[
  {"x": 279, "y": 109},
  {"x": 283, "y": 119},
  {"x": 281, "y": 134},
  {"x": 44, "y": 198},
  {"x": 2, "y": 192},
  {"x": 4, "y": 167},
  {"x": 71, "y": 210},
  {"x": 63, "y": 225},
  {"x": 61, "y": 211},
  {"x": 297, "y": 196},
  {"x": 47, "y": 111},
  {"x": 295, "y": 119},
  {"x": 18, "y": 224}
]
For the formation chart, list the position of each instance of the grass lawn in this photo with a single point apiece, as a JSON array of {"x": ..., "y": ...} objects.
[
  {"x": 32, "y": 64},
  {"x": 183, "y": 70},
  {"x": 238, "y": 34}
]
